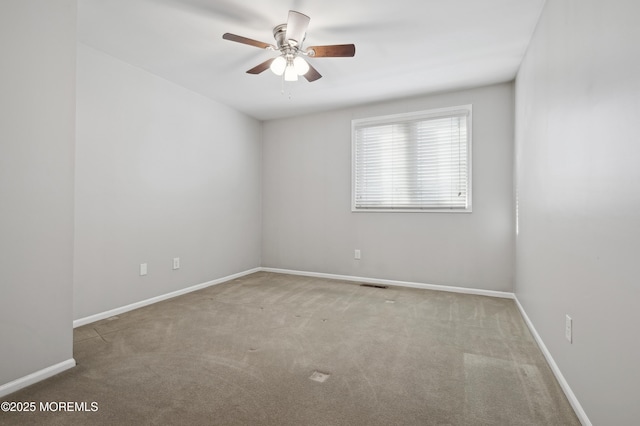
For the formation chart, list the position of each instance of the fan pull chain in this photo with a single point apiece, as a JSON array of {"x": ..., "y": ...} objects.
[{"x": 282, "y": 89}]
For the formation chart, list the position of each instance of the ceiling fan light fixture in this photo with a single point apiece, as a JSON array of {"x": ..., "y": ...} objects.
[
  {"x": 301, "y": 66},
  {"x": 290, "y": 73},
  {"x": 278, "y": 65},
  {"x": 289, "y": 38}
]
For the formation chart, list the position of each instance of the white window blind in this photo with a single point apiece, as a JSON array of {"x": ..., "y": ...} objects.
[{"x": 413, "y": 162}]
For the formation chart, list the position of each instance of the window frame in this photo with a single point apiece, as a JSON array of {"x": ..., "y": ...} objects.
[{"x": 416, "y": 115}]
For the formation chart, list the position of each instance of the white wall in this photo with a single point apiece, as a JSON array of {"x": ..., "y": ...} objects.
[
  {"x": 161, "y": 172},
  {"x": 307, "y": 220},
  {"x": 578, "y": 181},
  {"x": 37, "y": 113}
]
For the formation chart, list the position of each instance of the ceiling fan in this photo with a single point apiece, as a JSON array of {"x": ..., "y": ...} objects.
[{"x": 289, "y": 38}]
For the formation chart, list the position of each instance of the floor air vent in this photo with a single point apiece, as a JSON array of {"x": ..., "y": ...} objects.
[{"x": 374, "y": 285}]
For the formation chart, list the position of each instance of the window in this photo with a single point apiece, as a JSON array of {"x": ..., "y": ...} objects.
[{"x": 413, "y": 162}]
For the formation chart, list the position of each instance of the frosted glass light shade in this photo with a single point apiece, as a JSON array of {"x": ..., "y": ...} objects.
[
  {"x": 300, "y": 65},
  {"x": 278, "y": 65},
  {"x": 290, "y": 73}
]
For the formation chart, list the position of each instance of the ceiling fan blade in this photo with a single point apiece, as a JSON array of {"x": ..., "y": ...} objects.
[
  {"x": 332, "y": 51},
  {"x": 297, "y": 25},
  {"x": 259, "y": 68},
  {"x": 312, "y": 74},
  {"x": 245, "y": 40}
]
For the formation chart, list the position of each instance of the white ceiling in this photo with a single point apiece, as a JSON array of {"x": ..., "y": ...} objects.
[{"x": 403, "y": 47}]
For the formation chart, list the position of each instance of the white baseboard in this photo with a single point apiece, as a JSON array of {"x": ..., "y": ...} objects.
[
  {"x": 452, "y": 289},
  {"x": 582, "y": 416},
  {"x": 117, "y": 311},
  {"x": 39, "y": 375}
]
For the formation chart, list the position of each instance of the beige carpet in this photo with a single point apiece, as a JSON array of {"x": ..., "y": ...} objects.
[{"x": 273, "y": 349}]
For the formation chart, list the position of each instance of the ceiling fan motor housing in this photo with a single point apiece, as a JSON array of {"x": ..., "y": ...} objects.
[{"x": 279, "y": 33}]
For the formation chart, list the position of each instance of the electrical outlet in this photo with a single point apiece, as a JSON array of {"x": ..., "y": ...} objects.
[
  {"x": 568, "y": 328},
  {"x": 143, "y": 269},
  {"x": 356, "y": 254},
  {"x": 176, "y": 263}
]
